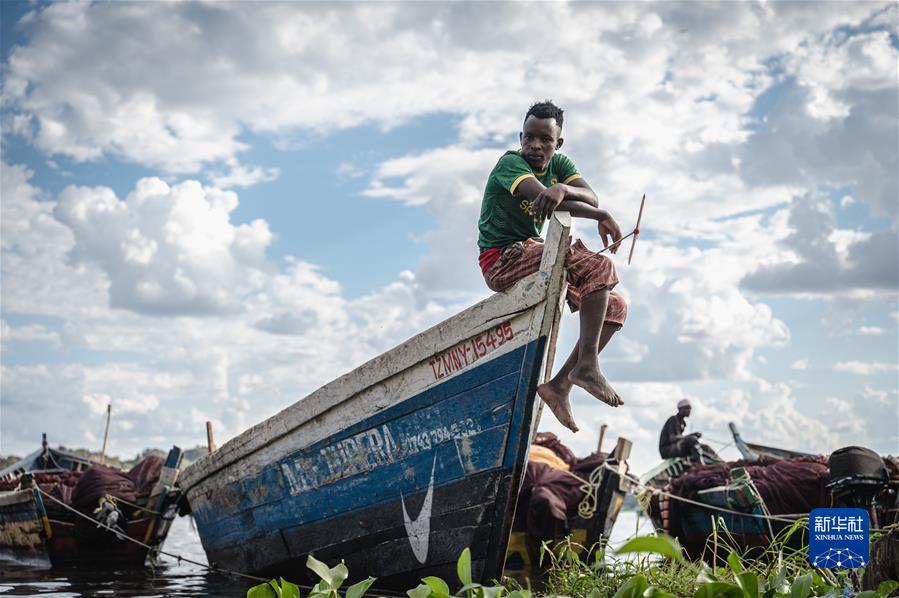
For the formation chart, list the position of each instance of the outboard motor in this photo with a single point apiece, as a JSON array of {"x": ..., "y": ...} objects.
[{"x": 857, "y": 476}]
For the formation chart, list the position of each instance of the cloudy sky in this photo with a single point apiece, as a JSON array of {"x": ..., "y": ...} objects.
[{"x": 211, "y": 209}]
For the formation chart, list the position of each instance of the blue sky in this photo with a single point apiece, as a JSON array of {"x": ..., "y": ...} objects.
[{"x": 200, "y": 230}]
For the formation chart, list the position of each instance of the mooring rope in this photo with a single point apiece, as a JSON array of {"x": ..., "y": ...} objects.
[
  {"x": 116, "y": 499},
  {"x": 784, "y": 518},
  {"x": 119, "y": 534}
]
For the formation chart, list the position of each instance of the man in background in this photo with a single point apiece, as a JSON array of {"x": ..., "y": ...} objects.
[{"x": 672, "y": 442}]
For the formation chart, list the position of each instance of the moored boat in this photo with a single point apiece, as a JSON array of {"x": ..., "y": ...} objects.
[
  {"x": 58, "y": 508},
  {"x": 399, "y": 465},
  {"x": 565, "y": 502},
  {"x": 752, "y": 501}
]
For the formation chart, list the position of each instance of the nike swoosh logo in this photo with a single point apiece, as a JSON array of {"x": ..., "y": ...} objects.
[{"x": 419, "y": 529}]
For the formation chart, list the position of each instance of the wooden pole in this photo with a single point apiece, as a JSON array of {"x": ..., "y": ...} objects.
[
  {"x": 106, "y": 434},
  {"x": 210, "y": 441},
  {"x": 602, "y": 434}
]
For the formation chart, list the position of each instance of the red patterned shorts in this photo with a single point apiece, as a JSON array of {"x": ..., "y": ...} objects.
[{"x": 586, "y": 271}]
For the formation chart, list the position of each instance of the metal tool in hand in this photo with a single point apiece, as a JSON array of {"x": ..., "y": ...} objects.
[{"x": 634, "y": 233}]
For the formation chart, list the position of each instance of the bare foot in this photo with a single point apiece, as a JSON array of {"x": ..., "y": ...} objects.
[
  {"x": 557, "y": 401},
  {"x": 595, "y": 383}
]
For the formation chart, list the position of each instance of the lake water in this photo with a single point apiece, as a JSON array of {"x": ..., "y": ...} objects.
[{"x": 171, "y": 578}]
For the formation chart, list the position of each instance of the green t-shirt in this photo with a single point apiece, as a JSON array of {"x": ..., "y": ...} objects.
[{"x": 505, "y": 216}]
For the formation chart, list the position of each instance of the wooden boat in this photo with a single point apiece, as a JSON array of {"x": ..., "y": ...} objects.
[
  {"x": 39, "y": 527},
  {"x": 588, "y": 524},
  {"x": 753, "y": 452},
  {"x": 399, "y": 465},
  {"x": 736, "y": 506}
]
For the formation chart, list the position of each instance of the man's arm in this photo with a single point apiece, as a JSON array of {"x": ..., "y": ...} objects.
[
  {"x": 546, "y": 200},
  {"x": 577, "y": 198}
]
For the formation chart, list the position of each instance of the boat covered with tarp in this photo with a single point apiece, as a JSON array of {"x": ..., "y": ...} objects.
[
  {"x": 59, "y": 508},
  {"x": 565, "y": 497},
  {"x": 752, "y": 501}
]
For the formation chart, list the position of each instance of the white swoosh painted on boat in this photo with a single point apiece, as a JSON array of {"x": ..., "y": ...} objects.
[{"x": 419, "y": 529}]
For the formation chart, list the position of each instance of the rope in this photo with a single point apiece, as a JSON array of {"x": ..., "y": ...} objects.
[
  {"x": 587, "y": 507},
  {"x": 784, "y": 518},
  {"x": 116, "y": 499},
  {"x": 147, "y": 546}
]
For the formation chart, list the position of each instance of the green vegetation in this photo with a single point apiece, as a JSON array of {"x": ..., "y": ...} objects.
[
  {"x": 661, "y": 571},
  {"x": 431, "y": 587},
  {"x": 654, "y": 568}
]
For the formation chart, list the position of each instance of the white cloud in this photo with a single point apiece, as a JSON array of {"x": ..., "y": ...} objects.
[
  {"x": 165, "y": 250},
  {"x": 767, "y": 414},
  {"x": 871, "y": 331},
  {"x": 827, "y": 260},
  {"x": 881, "y": 396},
  {"x": 289, "y": 334},
  {"x": 243, "y": 176},
  {"x": 865, "y": 368},
  {"x": 800, "y": 364},
  {"x": 653, "y": 81},
  {"x": 28, "y": 333}
]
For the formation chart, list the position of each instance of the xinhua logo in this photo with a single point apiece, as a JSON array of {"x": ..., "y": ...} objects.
[{"x": 838, "y": 538}]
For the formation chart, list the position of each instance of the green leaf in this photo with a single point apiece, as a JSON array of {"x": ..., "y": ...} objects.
[
  {"x": 289, "y": 590},
  {"x": 320, "y": 569},
  {"x": 463, "y": 567},
  {"x": 263, "y": 590},
  {"x": 469, "y": 588},
  {"x": 439, "y": 588},
  {"x": 339, "y": 573},
  {"x": 662, "y": 545},
  {"x": 802, "y": 586},
  {"x": 779, "y": 583},
  {"x": 868, "y": 594},
  {"x": 357, "y": 590},
  {"x": 422, "y": 591},
  {"x": 886, "y": 587},
  {"x": 492, "y": 591},
  {"x": 749, "y": 583},
  {"x": 633, "y": 588},
  {"x": 654, "y": 592},
  {"x": 736, "y": 565},
  {"x": 274, "y": 585},
  {"x": 718, "y": 589}
]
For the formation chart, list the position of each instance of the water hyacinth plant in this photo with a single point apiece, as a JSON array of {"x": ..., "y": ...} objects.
[{"x": 656, "y": 569}]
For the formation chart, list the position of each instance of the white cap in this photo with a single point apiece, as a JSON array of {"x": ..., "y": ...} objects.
[{"x": 683, "y": 403}]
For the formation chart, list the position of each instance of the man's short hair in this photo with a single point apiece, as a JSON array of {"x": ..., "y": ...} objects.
[
  {"x": 546, "y": 109},
  {"x": 683, "y": 403}
]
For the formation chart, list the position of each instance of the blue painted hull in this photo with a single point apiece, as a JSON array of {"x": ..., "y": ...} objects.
[{"x": 398, "y": 495}]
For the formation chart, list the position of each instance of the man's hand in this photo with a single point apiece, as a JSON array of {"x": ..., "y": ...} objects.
[
  {"x": 547, "y": 201},
  {"x": 609, "y": 228}
]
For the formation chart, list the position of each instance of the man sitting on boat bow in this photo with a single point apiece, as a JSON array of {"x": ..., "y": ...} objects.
[{"x": 525, "y": 187}]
